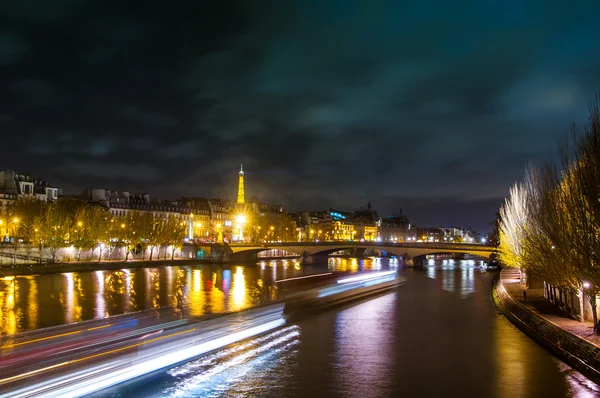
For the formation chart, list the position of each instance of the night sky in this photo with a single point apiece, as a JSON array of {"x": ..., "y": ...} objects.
[{"x": 433, "y": 106}]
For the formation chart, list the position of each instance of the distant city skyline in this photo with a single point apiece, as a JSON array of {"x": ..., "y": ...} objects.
[{"x": 234, "y": 198}]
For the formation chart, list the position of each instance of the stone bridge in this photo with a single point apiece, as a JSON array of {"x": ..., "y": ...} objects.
[{"x": 315, "y": 253}]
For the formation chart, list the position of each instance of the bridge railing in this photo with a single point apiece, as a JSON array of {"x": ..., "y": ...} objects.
[{"x": 440, "y": 245}]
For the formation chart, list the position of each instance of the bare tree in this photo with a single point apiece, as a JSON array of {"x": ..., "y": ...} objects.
[
  {"x": 514, "y": 218},
  {"x": 580, "y": 157}
]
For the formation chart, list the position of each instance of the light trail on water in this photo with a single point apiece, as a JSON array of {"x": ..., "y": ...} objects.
[{"x": 208, "y": 376}]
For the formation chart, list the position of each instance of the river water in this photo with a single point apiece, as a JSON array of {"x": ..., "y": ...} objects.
[
  {"x": 438, "y": 335},
  {"x": 33, "y": 302}
]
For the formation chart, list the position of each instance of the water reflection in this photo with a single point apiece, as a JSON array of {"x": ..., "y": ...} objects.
[
  {"x": 367, "y": 361},
  {"x": 347, "y": 264},
  {"x": 238, "y": 289},
  {"x": 421, "y": 340},
  {"x": 46, "y": 300},
  {"x": 100, "y": 308},
  {"x": 454, "y": 275}
]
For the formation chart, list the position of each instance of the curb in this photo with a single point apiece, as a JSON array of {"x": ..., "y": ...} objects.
[{"x": 578, "y": 353}]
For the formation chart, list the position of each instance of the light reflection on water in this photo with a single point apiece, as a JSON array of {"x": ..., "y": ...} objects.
[
  {"x": 39, "y": 301},
  {"x": 427, "y": 338},
  {"x": 32, "y": 302},
  {"x": 368, "y": 361},
  {"x": 455, "y": 275}
]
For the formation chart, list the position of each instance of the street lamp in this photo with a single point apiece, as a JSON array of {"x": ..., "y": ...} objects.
[
  {"x": 241, "y": 220},
  {"x": 219, "y": 233},
  {"x": 15, "y": 222}
]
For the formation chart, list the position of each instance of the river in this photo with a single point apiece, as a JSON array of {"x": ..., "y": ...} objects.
[
  {"x": 438, "y": 335},
  {"x": 38, "y": 301}
]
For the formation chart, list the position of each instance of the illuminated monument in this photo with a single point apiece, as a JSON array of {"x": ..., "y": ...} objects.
[{"x": 241, "y": 197}]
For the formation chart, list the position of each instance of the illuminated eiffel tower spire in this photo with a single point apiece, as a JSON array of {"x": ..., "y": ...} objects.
[{"x": 241, "y": 196}]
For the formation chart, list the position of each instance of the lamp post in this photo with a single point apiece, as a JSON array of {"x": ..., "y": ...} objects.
[
  {"x": 587, "y": 288},
  {"x": 219, "y": 233},
  {"x": 15, "y": 240},
  {"x": 199, "y": 226},
  {"x": 15, "y": 226},
  {"x": 241, "y": 220}
]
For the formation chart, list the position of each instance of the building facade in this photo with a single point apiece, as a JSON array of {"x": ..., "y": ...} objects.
[
  {"x": 396, "y": 228},
  {"x": 14, "y": 185}
]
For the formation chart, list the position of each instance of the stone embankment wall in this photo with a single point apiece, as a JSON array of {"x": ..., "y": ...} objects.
[
  {"x": 27, "y": 254},
  {"x": 573, "y": 350}
]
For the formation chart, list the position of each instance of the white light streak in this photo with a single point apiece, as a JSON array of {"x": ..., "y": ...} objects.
[
  {"x": 363, "y": 277},
  {"x": 84, "y": 383}
]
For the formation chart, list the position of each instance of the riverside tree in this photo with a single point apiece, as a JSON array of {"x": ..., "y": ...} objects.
[{"x": 550, "y": 223}]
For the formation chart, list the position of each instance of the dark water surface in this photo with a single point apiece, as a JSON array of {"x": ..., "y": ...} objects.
[
  {"x": 38, "y": 301},
  {"x": 439, "y": 335}
]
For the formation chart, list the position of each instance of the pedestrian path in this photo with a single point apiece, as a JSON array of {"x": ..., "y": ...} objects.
[{"x": 536, "y": 302}]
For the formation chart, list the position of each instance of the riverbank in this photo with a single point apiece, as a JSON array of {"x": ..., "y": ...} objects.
[
  {"x": 35, "y": 269},
  {"x": 572, "y": 341}
]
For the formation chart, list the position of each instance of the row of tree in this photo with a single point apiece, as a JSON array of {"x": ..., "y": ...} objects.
[
  {"x": 550, "y": 222},
  {"x": 70, "y": 223},
  {"x": 270, "y": 226}
]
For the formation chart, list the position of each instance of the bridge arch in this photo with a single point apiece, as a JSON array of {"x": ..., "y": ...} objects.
[
  {"x": 248, "y": 252},
  {"x": 251, "y": 254}
]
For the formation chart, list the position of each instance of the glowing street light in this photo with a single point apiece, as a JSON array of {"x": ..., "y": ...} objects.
[
  {"x": 586, "y": 285},
  {"x": 240, "y": 219}
]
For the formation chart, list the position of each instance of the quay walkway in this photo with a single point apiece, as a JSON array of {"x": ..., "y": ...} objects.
[
  {"x": 540, "y": 305},
  {"x": 572, "y": 341}
]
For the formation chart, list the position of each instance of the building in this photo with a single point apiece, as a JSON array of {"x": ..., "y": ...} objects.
[
  {"x": 207, "y": 220},
  {"x": 343, "y": 230},
  {"x": 6, "y": 199},
  {"x": 366, "y": 222},
  {"x": 396, "y": 228},
  {"x": 212, "y": 218},
  {"x": 338, "y": 226},
  {"x": 20, "y": 186},
  {"x": 429, "y": 235},
  {"x": 451, "y": 234},
  {"x": 120, "y": 203}
]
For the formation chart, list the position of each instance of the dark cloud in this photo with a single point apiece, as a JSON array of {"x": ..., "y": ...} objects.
[{"x": 433, "y": 107}]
